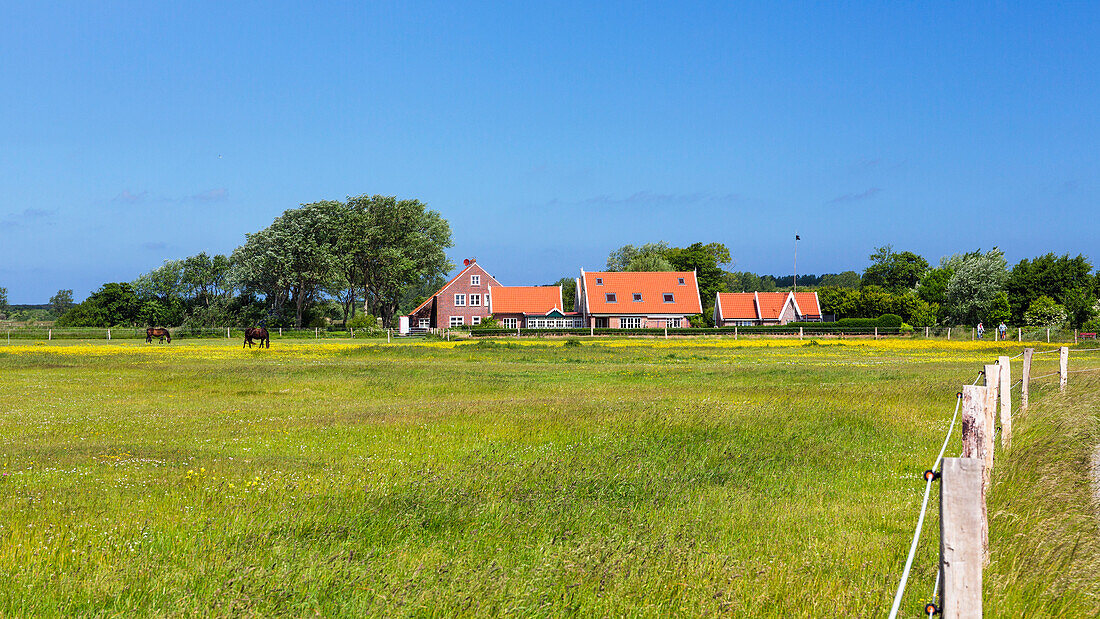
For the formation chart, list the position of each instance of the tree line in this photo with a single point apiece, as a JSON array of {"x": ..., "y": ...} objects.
[
  {"x": 1046, "y": 291},
  {"x": 322, "y": 261}
]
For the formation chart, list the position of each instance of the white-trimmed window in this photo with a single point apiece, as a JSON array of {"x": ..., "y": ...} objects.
[
  {"x": 669, "y": 297},
  {"x": 610, "y": 297},
  {"x": 509, "y": 323},
  {"x": 673, "y": 323},
  {"x": 460, "y": 300},
  {"x": 637, "y": 297},
  {"x": 457, "y": 321},
  {"x": 476, "y": 320},
  {"x": 425, "y": 323},
  {"x": 630, "y": 323},
  {"x": 475, "y": 280},
  {"x": 475, "y": 300}
]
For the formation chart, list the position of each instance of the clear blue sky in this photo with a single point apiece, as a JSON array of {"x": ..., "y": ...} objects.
[{"x": 548, "y": 136}]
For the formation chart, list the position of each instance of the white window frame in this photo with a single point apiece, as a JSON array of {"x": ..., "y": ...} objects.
[
  {"x": 632, "y": 322},
  {"x": 509, "y": 323},
  {"x": 475, "y": 280},
  {"x": 425, "y": 323},
  {"x": 475, "y": 320},
  {"x": 475, "y": 300},
  {"x": 668, "y": 297},
  {"x": 673, "y": 323},
  {"x": 458, "y": 321},
  {"x": 460, "y": 300}
]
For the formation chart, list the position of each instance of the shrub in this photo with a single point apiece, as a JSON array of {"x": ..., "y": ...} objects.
[
  {"x": 572, "y": 343},
  {"x": 1045, "y": 312},
  {"x": 890, "y": 321}
]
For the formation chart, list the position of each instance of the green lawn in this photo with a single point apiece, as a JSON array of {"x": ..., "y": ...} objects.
[{"x": 617, "y": 477}]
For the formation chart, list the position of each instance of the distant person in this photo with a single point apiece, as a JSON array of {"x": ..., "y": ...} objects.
[
  {"x": 981, "y": 330},
  {"x": 1003, "y": 330}
]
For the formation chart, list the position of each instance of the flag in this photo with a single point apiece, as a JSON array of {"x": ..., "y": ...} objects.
[{"x": 797, "y": 238}]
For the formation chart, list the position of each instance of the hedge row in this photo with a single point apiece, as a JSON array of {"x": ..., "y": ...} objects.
[{"x": 819, "y": 328}]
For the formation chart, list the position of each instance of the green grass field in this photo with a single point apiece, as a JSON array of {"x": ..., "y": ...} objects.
[{"x": 610, "y": 478}]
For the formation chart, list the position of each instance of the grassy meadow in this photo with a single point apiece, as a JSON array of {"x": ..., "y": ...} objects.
[{"x": 608, "y": 477}]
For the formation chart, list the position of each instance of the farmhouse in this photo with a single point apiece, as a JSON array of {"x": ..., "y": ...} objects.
[
  {"x": 462, "y": 301},
  {"x": 637, "y": 300},
  {"x": 531, "y": 307},
  {"x": 743, "y": 309}
]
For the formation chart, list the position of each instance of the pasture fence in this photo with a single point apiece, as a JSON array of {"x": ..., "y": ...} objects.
[{"x": 965, "y": 481}]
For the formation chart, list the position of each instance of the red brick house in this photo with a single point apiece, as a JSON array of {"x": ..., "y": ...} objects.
[
  {"x": 744, "y": 309},
  {"x": 531, "y": 307},
  {"x": 462, "y": 301},
  {"x": 637, "y": 300}
]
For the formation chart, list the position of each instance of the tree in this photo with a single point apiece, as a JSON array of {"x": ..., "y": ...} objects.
[
  {"x": 1045, "y": 312},
  {"x": 894, "y": 271},
  {"x": 568, "y": 292},
  {"x": 1068, "y": 281},
  {"x": 61, "y": 302},
  {"x": 975, "y": 282},
  {"x": 847, "y": 279},
  {"x": 113, "y": 304},
  {"x": 631, "y": 258},
  {"x": 402, "y": 244},
  {"x": 3, "y": 300}
]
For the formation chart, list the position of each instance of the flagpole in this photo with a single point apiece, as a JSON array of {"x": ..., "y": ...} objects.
[{"x": 795, "y": 263}]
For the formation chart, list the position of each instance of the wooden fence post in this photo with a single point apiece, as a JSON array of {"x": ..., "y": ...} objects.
[
  {"x": 1019, "y": 334},
  {"x": 974, "y": 431},
  {"x": 1063, "y": 368},
  {"x": 800, "y": 333},
  {"x": 735, "y": 332},
  {"x": 1025, "y": 379},
  {"x": 876, "y": 333},
  {"x": 1048, "y": 335},
  {"x": 961, "y": 518},
  {"x": 280, "y": 332},
  {"x": 993, "y": 392},
  {"x": 948, "y": 332},
  {"x": 50, "y": 336},
  {"x": 1006, "y": 400},
  {"x": 108, "y": 335},
  {"x": 1075, "y": 336}
]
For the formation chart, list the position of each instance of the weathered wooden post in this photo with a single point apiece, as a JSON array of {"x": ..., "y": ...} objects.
[
  {"x": 1006, "y": 400},
  {"x": 108, "y": 335},
  {"x": 49, "y": 336},
  {"x": 993, "y": 386},
  {"x": 1075, "y": 336},
  {"x": 735, "y": 332},
  {"x": 1019, "y": 334},
  {"x": 1025, "y": 379},
  {"x": 948, "y": 332},
  {"x": 1063, "y": 368},
  {"x": 388, "y": 335},
  {"x": 876, "y": 333},
  {"x": 800, "y": 333},
  {"x": 974, "y": 432},
  {"x": 1048, "y": 335},
  {"x": 280, "y": 332},
  {"x": 962, "y": 510}
]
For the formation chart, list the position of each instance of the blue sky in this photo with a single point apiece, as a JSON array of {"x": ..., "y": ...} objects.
[{"x": 548, "y": 136}]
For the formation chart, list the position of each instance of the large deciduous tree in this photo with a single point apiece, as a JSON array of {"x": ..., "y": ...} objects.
[
  {"x": 1068, "y": 281},
  {"x": 61, "y": 302},
  {"x": 397, "y": 244},
  {"x": 971, "y": 292},
  {"x": 894, "y": 271}
]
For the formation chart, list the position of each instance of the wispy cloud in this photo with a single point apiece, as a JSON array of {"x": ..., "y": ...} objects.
[
  {"x": 27, "y": 217},
  {"x": 128, "y": 197},
  {"x": 856, "y": 197},
  {"x": 210, "y": 195}
]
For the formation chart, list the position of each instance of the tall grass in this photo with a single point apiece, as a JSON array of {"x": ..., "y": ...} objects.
[{"x": 618, "y": 477}]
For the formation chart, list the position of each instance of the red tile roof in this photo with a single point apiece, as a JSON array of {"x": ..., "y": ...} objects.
[
  {"x": 765, "y": 305},
  {"x": 737, "y": 305},
  {"x": 525, "y": 299},
  {"x": 652, "y": 285},
  {"x": 807, "y": 303}
]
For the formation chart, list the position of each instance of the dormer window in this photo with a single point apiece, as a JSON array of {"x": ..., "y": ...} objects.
[
  {"x": 599, "y": 281},
  {"x": 475, "y": 280},
  {"x": 637, "y": 297},
  {"x": 680, "y": 281},
  {"x": 669, "y": 298},
  {"x": 610, "y": 297}
]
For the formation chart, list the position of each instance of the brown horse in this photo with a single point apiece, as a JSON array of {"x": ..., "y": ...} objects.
[
  {"x": 152, "y": 332},
  {"x": 257, "y": 333}
]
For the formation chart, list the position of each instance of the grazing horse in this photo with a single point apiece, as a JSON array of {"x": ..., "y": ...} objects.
[
  {"x": 152, "y": 332},
  {"x": 257, "y": 333}
]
